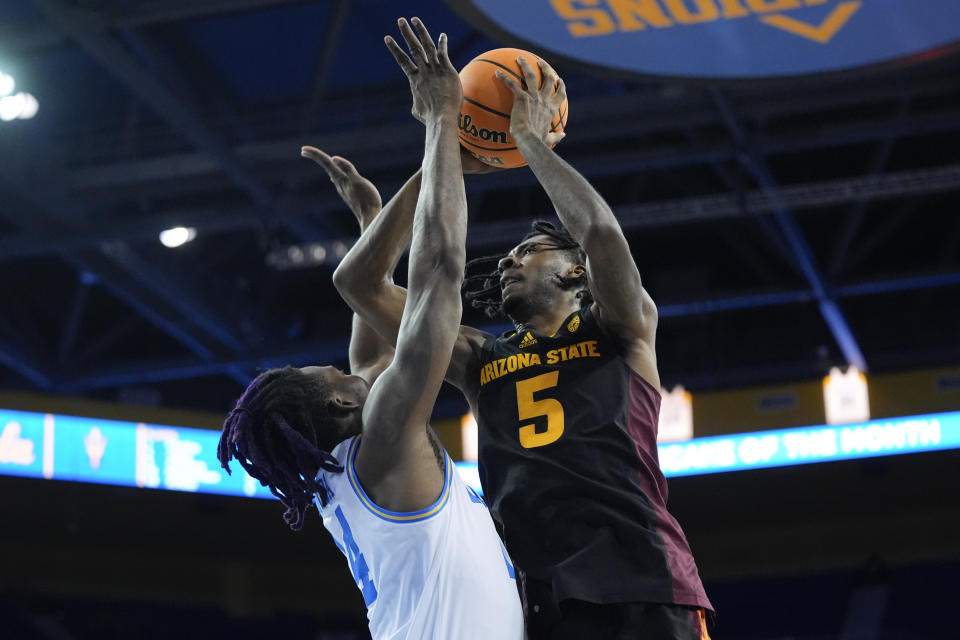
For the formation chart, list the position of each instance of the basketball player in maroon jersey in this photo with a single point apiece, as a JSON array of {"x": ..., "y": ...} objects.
[{"x": 567, "y": 404}]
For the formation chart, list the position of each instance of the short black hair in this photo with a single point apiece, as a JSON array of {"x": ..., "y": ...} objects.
[
  {"x": 482, "y": 290},
  {"x": 281, "y": 432}
]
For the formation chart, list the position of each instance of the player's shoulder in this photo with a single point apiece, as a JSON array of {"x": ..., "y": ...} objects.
[
  {"x": 637, "y": 325},
  {"x": 637, "y": 349},
  {"x": 343, "y": 453},
  {"x": 352, "y": 492},
  {"x": 468, "y": 353},
  {"x": 342, "y": 450},
  {"x": 473, "y": 338},
  {"x": 584, "y": 322},
  {"x": 332, "y": 484}
]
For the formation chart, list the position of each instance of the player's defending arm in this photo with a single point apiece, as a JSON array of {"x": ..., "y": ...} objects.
[
  {"x": 396, "y": 462},
  {"x": 623, "y": 306},
  {"x": 370, "y": 354},
  {"x": 364, "y": 277}
]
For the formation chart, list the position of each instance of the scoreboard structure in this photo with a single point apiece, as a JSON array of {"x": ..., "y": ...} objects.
[{"x": 721, "y": 39}]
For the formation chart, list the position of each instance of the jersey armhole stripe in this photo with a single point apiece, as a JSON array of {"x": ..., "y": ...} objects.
[{"x": 398, "y": 516}]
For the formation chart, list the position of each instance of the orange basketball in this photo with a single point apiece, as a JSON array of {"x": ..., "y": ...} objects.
[{"x": 485, "y": 113}]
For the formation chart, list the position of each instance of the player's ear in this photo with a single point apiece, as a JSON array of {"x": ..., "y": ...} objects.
[
  {"x": 338, "y": 406},
  {"x": 576, "y": 271}
]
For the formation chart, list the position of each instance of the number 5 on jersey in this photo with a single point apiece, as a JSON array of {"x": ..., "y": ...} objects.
[{"x": 529, "y": 409}]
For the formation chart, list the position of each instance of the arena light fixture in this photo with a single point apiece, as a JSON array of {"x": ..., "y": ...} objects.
[
  {"x": 306, "y": 256},
  {"x": 7, "y": 84},
  {"x": 21, "y": 106},
  {"x": 676, "y": 415},
  {"x": 30, "y": 107},
  {"x": 469, "y": 438},
  {"x": 177, "y": 236},
  {"x": 10, "y": 107},
  {"x": 845, "y": 396}
]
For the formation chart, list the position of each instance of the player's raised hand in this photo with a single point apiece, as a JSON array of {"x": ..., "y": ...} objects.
[
  {"x": 359, "y": 193},
  {"x": 534, "y": 107},
  {"x": 434, "y": 82}
]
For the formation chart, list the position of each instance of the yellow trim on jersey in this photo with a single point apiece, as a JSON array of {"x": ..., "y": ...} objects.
[{"x": 396, "y": 516}]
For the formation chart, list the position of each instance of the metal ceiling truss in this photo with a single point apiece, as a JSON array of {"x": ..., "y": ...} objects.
[
  {"x": 140, "y": 14},
  {"x": 155, "y": 95},
  {"x": 329, "y": 43},
  {"x": 152, "y": 297},
  {"x": 181, "y": 117},
  {"x": 101, "y": 255},
  {"x": 597, "y": 117},
  {"x": 755, "y": 164},
  {"x": 490, "y": 234},
  {"x": 755, "y": 204},
  {"x": 334, "y": 351},
  {"x": 878, "y": 165},
  {"x": 397, "y": 147},
  {"x": 74, "y": 315},
  {"x": 16, "y": 358},
  {"x": 153, "y": 91}
]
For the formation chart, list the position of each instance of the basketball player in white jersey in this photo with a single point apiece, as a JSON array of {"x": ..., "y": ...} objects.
[{"x": 420, "y": 544}]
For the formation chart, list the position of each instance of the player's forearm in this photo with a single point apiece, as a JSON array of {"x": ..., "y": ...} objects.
[
  {"x": 382, "y": 242},
  {"x": 614, "y": 278},
  {"x": 385, "y": 235},
  {"x": 431, "y": 317},
  {"x": 370, "y": 262},
  {"x": 580, "y": 208},
  {"x": 441, "y": 223},
  {"x": 369, "y": 352}
]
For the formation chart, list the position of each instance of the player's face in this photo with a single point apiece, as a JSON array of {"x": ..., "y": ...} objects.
[
  {"x": 347, "y": 393},
  {"x": 528, "y": 274}
]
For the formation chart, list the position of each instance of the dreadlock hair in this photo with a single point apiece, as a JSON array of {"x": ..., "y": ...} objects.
[
  {"x": 482, "y": 290},
  {"x": 280, "y": 431}
]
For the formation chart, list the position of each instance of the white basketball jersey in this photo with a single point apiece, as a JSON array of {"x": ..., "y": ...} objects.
[{"x": 438, "y": 573}]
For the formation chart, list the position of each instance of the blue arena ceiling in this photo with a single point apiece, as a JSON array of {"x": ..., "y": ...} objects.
[{"x": 783, "y": 227}]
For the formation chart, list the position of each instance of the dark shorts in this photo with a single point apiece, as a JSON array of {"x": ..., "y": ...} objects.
[{"x": 577, "y": 619}]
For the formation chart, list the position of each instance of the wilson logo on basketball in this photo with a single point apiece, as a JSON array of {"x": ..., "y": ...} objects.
[{"x": 467, "y": 126}]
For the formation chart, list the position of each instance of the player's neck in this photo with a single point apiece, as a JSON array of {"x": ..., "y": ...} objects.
[{"x": 546, "y": 322}]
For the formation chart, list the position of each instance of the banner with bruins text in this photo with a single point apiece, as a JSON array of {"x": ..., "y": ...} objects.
[{"x": 722, "y": 38}]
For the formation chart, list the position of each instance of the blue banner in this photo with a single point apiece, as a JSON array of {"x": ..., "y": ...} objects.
[
  {"x": 184, "y": 459},
  {"x": 113, "y": 452},
  {"x": 721, "y": 38},
  {"x": 805, "y": 445}
]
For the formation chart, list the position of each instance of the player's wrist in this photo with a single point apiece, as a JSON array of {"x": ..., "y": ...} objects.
[
  {"x": 525, "y": 137},
  {"x": 442, "y": 116}
]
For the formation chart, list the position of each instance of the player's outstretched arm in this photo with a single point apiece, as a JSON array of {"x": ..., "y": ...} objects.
[
  {"x": 364, "y": 277},
  {"x": 624, "y": 307},
  {"x": 370, "y": 353},
  {"x": 396, "y": 462}
]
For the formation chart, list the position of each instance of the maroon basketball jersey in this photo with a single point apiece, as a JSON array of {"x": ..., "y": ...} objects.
[{"x": 569, "y": 466}]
